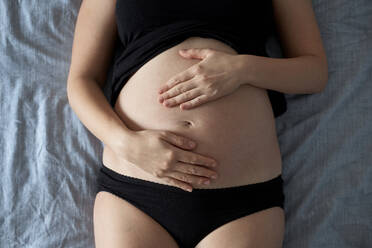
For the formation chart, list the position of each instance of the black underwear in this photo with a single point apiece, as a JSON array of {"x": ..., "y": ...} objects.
[{"x": 190, "y": 216}]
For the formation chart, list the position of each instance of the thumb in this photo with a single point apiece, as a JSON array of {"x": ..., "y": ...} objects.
[{"x": 195, "y": 53}]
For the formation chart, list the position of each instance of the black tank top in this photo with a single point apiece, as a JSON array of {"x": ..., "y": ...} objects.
[{"x": 147, "y": 28}]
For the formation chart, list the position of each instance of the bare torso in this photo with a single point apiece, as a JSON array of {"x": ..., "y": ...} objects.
[{"x": 237, "y": 130}]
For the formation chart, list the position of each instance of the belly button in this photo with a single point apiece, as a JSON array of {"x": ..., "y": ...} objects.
[{"x": 187, "y": 123}]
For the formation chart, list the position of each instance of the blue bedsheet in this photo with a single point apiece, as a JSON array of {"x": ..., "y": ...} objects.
[{"x": 49, "y": 160}]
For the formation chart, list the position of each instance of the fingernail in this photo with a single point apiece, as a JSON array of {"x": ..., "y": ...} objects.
[
  {"x": 191, "y": 143},
  {"x": 214, "y": 176},
  {"x": 206, "y": 182}
]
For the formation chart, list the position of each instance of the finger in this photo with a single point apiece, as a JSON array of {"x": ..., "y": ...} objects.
[
  {"x": 195, "y": 53},
  {"x": 178, "y": 183},
  {"x": 181, "y": 77},
  {"x": 178, "y": 89},
  {"x": 184, "y": 97},
  {"x": 188, "y": 178},
  {"x": 180, "y": 141},
  {"x": 195, "y": 158},
  {"x": 195, "y": 170},
  {"x": 195, "y": 102}
]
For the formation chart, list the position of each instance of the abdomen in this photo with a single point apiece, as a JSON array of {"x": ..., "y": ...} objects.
[{"x": 237, "y": 130}]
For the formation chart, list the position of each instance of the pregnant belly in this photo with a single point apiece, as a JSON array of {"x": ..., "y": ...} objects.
[{"x": 237, "y": 130}]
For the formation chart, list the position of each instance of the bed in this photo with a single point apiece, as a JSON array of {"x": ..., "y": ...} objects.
[{"x": 50, "y": 161}]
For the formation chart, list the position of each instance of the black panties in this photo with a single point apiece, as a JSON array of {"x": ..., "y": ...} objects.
[{"x": 190, "y": 216}]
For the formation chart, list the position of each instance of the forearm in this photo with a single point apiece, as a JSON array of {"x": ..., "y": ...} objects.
[
  {"x": 300, "y": 75},
  {"x": 94, "y": 111}
]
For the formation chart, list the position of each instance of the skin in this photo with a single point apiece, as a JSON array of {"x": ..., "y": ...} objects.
[
  {"x": 247, "y": 153},
  {"x": 95, "y": 35},
  {"x": 218, "y": 77}
]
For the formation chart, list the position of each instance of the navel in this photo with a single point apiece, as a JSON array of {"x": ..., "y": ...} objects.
[{"x": 186, "y": 123}]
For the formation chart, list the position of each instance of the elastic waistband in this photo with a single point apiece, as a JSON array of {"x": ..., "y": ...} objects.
[{"x": 271, "y": 183}]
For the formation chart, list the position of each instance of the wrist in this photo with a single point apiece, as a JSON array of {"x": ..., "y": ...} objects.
[
  {"x": 120, "y": 138},
  {"x": 243, "y": 66}
]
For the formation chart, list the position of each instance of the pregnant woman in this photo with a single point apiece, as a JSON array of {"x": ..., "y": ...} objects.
[{"x": 223, "y": 92}]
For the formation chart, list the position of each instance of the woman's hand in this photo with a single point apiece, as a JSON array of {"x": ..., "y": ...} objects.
[
  {"x": 215, "y": 76},
  {"x": 164, "y": 155}
]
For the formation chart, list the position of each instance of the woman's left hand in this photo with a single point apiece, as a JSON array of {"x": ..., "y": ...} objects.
[{"x": 215, "y": 76}]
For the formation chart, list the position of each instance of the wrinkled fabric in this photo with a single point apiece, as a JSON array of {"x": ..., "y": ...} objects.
[{"x": 49, "y": 161}]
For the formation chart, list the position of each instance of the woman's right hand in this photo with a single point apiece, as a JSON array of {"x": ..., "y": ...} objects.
[{"x": 162, "y": 154}]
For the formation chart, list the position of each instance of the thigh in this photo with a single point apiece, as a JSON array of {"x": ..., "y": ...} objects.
[
  {"x": 263, "y": 229},
  {"x": 118, "y": 223}
]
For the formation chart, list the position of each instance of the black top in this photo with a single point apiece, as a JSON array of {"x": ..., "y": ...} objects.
[{"x": 147, "y": 28}]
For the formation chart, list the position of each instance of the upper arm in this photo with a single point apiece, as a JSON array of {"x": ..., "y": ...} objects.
[
  {"x": 94, "y": 40},
  {"x": 298, "y": 31},
  {"x": 297, "y": 28}
]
